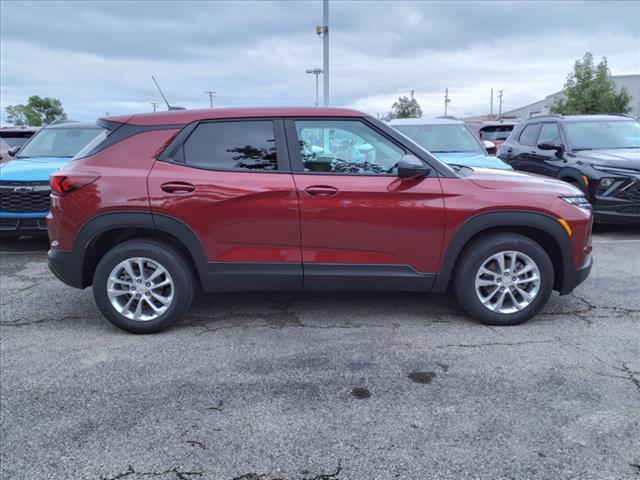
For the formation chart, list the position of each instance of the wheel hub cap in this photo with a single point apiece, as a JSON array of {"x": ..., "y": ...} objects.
[
  {"x": 507, "y": 282},
  {"x": 140, "y": 289}
]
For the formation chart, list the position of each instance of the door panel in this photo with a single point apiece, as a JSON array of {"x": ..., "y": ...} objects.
[
  {"x": 371, "y": 220},
  {"x": 237, "y": 216}
]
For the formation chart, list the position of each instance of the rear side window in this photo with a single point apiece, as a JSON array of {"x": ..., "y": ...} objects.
[
  {"x": 529, "y": 134},
  {"x": 248, "y": 145}
]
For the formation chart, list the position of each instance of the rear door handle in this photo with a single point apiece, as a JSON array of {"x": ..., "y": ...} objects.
[
  {"x": 177, "y": 187},
  {"x": 321, "y": 191}
]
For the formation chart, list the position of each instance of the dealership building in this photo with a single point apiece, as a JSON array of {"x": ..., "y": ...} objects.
[{"x": 541, "y": 107}]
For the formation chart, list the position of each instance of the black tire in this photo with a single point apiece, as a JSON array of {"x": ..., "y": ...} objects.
[
  {"x": 170, "y": 258},
  {"x": 474, "y": 256}
]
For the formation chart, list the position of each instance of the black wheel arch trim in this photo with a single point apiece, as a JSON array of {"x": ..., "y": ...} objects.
[{"x": 511, "y": 218}]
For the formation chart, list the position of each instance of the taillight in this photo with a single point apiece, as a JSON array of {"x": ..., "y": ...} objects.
[{"x": 63, "y": 183}]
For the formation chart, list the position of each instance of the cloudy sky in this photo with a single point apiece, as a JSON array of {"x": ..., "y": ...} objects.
[{"x": 98, "y": 57}]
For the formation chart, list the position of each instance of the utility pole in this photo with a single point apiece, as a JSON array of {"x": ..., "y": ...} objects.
[
  {"x": 323, "y": 31},
  {"x": 446, "y": 101},
  {"x": 500, "y": 104},
  {"x": 155, "y": 105},
  {"x": 316, "y": 72},
  {"x": 491, "y": 111},
  {"x": 211, "y": 94},
  {"x": 411, "y": 91}
]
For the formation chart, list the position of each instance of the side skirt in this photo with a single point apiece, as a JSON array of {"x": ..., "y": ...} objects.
[{"x": 235, "y": 277}]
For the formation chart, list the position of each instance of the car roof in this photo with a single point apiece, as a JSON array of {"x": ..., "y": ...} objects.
[
  {"x": 25, "y": 129},
  {"x": 72, "y": 125},
  {"x": 425, "y": 121},
  {"x": 582, "y": 118},
  {"x": 180, "y": 117}
]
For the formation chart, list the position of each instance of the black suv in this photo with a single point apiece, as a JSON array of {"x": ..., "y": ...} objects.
[{"x": 600, "y": 154}]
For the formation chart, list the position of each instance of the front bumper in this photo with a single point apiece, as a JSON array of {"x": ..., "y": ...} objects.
[
  {"x": 64, "y": 266},
  {"x": 23, "y": 225},
  {"x": 619, "y": 216},
  {"x": 575, "y": 277}
]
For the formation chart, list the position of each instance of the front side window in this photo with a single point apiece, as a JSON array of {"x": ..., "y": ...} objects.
[
  {"x": 59, "y": 142},
  {"x": 442, "y": 138},
  {"x": 549, "y": 133},
  {"x": 347, "y": 147},
  {"x": 529, "y": 134},
  {"x": 590, "y": 135},
  {"x": 248, "y": 145}
]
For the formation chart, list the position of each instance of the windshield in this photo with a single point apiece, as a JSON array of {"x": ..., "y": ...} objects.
[
  {"x": 592, "y": 135},
  {"x": 442, "y": 138},
  {"x": 58, "y": 142}
]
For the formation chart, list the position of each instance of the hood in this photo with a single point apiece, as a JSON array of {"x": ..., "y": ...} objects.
[
  {"x": 525, "y": 182},
  {"x": 30, "y": 169},
  {"x": 472, "y": 159},
  {"x": 617, "y": 158}
]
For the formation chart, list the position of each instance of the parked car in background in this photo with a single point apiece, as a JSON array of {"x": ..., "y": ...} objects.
[
  {"x": 12, "y": 138},
  {"x": 449, "y": 140},
  {"x": 496, "y": 131},
  {"x": 24, "y": 180},
  {"x": 600, "y": 154},
  {"x": 302, "y": 199}
]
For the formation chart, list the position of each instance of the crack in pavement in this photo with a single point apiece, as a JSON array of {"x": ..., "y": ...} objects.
[
  {"x": 177, "y": 474},
  {"x": 495, "y": 344},
  {"x": 264, "y": 476},
  {"x": 40, "y": 320}
]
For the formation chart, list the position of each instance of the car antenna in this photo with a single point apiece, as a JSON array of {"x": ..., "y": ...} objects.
[{"x": 169, "y": 107}]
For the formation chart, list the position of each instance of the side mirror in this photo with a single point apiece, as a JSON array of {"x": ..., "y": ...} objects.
[
  {"x": 12, "y": 152},
  {"x": 550, "y": 146},
  {"x": 489, "y": 146},
  {"x": 411, "y": 166}
]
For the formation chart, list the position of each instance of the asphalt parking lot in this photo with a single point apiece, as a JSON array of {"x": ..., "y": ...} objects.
[{"x": 322, "y": 386}]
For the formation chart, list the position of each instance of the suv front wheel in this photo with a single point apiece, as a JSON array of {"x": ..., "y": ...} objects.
[
  {"x": 504, "y": 279},
  {"x": 143, "y": 286}
]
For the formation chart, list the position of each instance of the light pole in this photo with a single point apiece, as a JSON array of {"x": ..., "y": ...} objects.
[
  {"x": 323, "y": 31},
  {"x": 316, "y": 72}
]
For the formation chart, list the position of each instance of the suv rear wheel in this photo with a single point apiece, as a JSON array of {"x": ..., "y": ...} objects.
[
  {"x": 504, "y": 279},
  {"x": 143, "y": 286}
]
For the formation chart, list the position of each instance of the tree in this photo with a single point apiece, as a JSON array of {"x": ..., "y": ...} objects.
[
  {"x": 38, "y": 111},
  {"x": 405, "y": 108},
  {"x": 589, "y": 89}
]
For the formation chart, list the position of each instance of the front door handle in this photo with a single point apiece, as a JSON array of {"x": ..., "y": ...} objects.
[
  {"x": 321, "y": 191},
  {"x": 509, "y": 150},
  {"x": 177, "y": 187}
]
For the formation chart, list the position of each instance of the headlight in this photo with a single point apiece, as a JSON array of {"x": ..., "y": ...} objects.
[{"x": 577, "y": 200}]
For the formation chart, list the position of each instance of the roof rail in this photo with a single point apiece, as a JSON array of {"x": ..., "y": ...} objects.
[
  {"x": 550, "y": 115},
  {"x": 618, "y": 114}
]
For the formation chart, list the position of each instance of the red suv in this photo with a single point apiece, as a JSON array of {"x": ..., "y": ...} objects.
[{"x": 302, "y": 199}]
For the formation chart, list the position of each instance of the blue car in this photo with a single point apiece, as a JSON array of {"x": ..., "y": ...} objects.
[
  {"x": 24, "y": 180},
  {"x": 449, "y": 140}
]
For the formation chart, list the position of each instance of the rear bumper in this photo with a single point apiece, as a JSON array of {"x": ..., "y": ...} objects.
[
  {"x": 64, "y": 265},
  {"x": 23, "y": 225},
  {"x": 575, "y": 277}
]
